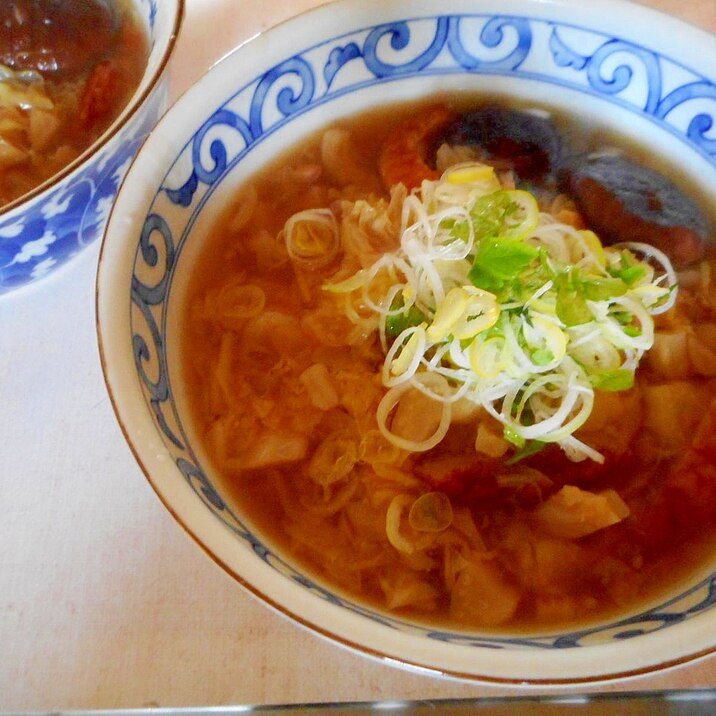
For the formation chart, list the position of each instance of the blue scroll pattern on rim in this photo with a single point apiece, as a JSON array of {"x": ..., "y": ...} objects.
[
  {"x": 618, "y": 71},
  {"x": 510, "y": 43}
]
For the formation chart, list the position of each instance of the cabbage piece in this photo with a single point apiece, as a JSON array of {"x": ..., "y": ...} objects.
[
  {"x": 490, "y": 440},
  {"x": 404, "y": 589},
  {"x": 319, "y": 386},
  {"x": 700, "y": 347},
  {"x": 669, "y": 356},
  {"x": 11, "y": 155},
  {"x": 572, "y": 512},
  {"x": 275, "y": 448},
  {"x": 672, "y": 412},
  {"x": 482, "y": 595},
  {"x": 614, "y": 421}
]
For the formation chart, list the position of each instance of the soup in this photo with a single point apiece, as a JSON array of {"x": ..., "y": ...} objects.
[
  {"x": 458, "y": 365},
  {"x": 67, "y": 69}
]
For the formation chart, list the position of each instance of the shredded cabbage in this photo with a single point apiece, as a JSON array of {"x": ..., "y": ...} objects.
[{"x": 516, "y": 311}]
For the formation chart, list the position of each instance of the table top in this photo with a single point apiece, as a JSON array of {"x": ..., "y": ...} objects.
[{"x": 104, "y": 600}]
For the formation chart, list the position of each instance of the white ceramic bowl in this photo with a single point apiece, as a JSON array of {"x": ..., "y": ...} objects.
[
  {"x": 644, "y": 73},
  {"x": 41, "y": 230}
]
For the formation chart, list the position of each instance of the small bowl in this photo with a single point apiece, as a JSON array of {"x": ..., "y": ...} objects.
[
  {"x": 639, "y": 71},
  {"x": 41, "y": 230}
]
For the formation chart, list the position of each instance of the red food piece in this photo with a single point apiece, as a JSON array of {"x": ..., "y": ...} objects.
[
  {"x": 587, "y": 474},
  {"x": 475, "y": 482},
  {"x": 100, "y": 93},
  {"x": 458, "y": 475},
  {"x": 404, "y": 156},
  {"x": 55, "y": 37}
]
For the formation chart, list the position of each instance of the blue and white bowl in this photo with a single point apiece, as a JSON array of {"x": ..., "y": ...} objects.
[
  {"x": 647, "y": 75},
  {"x": 43, "y": 229}
]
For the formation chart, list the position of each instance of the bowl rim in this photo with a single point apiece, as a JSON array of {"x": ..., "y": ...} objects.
[
  {"x": 127, "y": 114},
  {"x": 384, "y": 655}
]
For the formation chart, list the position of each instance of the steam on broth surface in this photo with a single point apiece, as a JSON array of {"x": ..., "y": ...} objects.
[
  {"x": 67, "y": 69},
  {"x": 422, "y": 373}
]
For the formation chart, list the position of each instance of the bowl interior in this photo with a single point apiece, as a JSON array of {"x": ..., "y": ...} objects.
[{"x": 263, "y": 99}]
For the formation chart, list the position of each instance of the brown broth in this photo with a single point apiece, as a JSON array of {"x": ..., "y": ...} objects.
[
  {"x": 338, "y": 532},
  {"x": 76, "y": 102}
]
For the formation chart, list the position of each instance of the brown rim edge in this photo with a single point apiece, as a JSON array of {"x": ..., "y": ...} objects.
[{"x": 113, "y": 131}]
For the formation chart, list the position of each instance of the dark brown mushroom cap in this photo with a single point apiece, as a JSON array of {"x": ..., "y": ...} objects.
[
  {"x": 624, "y": 201},
  {"x": 530, "y": 143}
]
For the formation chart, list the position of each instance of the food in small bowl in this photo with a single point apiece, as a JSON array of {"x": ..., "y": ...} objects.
[
  {"x": 411, "y": 327},
  {"x": 80, "y": 86}
]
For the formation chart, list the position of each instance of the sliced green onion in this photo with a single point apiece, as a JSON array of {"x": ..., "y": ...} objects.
[
  {"x": 490, "y": 301},
  {"x": 613, "y": 381}
]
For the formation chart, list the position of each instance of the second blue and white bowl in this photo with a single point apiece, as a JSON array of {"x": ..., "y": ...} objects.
[{"x": 42, "y": 230}]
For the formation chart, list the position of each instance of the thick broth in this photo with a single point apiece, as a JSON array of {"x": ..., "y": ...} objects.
[{"x": 252, "y": 374}]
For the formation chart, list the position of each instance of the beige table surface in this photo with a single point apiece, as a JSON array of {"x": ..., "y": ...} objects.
[{"x": 104, "y": 601}]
